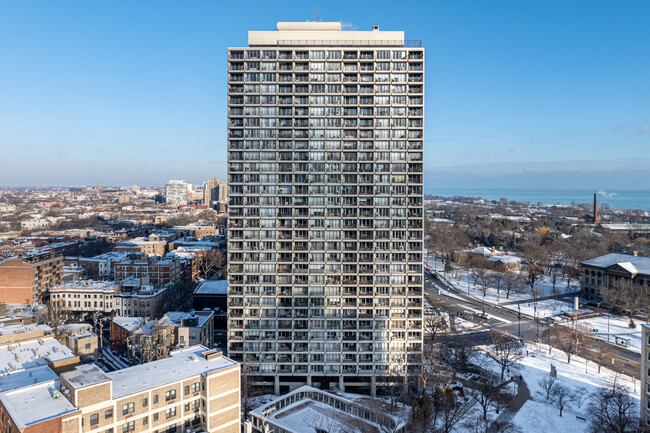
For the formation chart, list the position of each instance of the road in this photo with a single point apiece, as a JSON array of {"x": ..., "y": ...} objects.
[{"x": 444, "y": 297}]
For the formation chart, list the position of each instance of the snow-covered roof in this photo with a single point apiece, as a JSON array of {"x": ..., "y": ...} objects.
[
  {"x": 36, "y": 403},
  {"x": 23, "y": 378},
  {"x": 128, "y": 323},
  {"x": 641, "y": 265},
  {"x": 17, "y": 328},
  {"x": 505, "y": 259},
  {"x": 485, "y": 251},
  {"x": 85, "y": 375},
  {"x": 181, "y": 364},
  {"x": 177, "y": 317},
  {"x": 29, "y": 354},
  {"x": 212, "y": 287},
  {"x": 86, "y": 285},
  {"x": 305, "y": 412}
]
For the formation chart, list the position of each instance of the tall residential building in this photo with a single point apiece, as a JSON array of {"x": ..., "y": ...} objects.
[
  {"x": 211, "y": 191},
  {"x": 223, "y": 192},
  {"x": 177, "y": 192},
  {"x": 325, "y": 242}
]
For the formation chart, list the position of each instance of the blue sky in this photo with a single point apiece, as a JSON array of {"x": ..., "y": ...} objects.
[{"x": 548, "y": 94}]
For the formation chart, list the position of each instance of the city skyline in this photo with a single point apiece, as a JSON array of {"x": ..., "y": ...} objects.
[{"x": 535, "y": 95}]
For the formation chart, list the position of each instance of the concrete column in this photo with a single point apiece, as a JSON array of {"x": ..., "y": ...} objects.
[
  {"x": 276, "y": 385},
  {"x": 309, "y": 381},
  {"x": 341, "y": 384},
  {"x": 373, "y": 386}
]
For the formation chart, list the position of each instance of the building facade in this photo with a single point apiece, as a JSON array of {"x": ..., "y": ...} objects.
[
  {"x": 86, "y": 296},
  {"x": 194, "y": 390},
  {"x": 177, "y": 192},
  {"x": 27, "y": 280},
  {"x": 325, "y": 175},
  {"x": 613, "y": 271},
  {"x": 161, "y": 271}
]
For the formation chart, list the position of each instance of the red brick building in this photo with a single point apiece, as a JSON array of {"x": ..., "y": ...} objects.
[
  {"x": 27, "y": 280},
  {"x": 158, "y": 271}
]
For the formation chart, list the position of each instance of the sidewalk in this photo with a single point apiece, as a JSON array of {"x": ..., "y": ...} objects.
[{"x": 517, "y": 402}]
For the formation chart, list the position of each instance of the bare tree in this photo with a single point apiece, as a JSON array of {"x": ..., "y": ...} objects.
[
  {"x": 456, "y": 356},
  {"x": 504, "y": 350},
  {"x": 213, "y": 260},
  {"x": 603, "y": 350},
  {"x": 488, "y": 392},
  {"x": 249, "y": 390},
  {"x": 567, "y": 339},
  {"x": 498, "y": 280},
  {"x": 627, "y": 297},
  {"x": 479, "y": 425},
  {"x": 533, "y": 273},
  {"x": 613, "y": 410},
  {"x": 433, "y": 324},
  {"x": 547, "y": 383},
  {"x": 56, "y": 316},
  {"x": 562, "y": 397},
  {"x": 580, "y": 396},
  {"x": 513, "y": 283}
]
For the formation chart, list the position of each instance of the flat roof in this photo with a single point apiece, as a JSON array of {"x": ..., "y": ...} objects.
[
  {"x": 85, "y": 375},
  {"x": 212, "y": 287},
  {"x": 181, "y": 364},
  {"x": 36, "y": 403},
  {"x": 23, "y": 378},
  {"x": 29, "y": 354}
]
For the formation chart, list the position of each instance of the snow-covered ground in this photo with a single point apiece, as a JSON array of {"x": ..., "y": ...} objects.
[
  {"x": 540, "y": 415},
  {"x": 618, "y": 327}
]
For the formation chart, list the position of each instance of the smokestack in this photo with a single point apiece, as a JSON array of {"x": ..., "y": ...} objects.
[{"x": 596, "y": 217}]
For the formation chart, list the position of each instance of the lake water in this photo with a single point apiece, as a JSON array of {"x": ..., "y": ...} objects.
[{"x": 614, "y": 199}]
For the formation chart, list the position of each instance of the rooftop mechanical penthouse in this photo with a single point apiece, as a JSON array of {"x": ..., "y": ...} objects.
[{"x": 325, "y": 174}]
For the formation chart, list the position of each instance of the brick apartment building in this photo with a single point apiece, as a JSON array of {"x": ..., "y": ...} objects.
[
  {"x": 158, "y": 271},
  {"x": 193, "y": 390},
  {"x": 27, "y": 280}
]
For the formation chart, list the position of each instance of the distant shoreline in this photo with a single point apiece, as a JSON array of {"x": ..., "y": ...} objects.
[{"x": 616, "y": 199}]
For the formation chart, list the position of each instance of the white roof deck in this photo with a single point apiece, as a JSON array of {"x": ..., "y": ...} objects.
[{"x": 181, "y": 364}]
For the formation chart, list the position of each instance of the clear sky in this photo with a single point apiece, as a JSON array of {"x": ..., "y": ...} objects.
[{"x": 518, "y": 93}]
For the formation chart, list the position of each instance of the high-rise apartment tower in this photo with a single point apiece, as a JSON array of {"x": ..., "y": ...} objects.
[{"x": 325, "y": 174}]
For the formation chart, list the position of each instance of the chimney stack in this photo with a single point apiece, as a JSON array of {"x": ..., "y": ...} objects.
[{"x": 596, "y": 217}]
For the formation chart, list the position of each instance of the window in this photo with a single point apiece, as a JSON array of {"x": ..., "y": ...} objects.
[
  {"x": 187, "y": 389},
  {"x": 170, "y": 395},
  {"x": 155, "y": 417},
  {"x": 171, "y": 412},
  {"x": 128, "y": 408},
  {"x": 108, "y": 414},
  {"x": 196, "y": 387},
  {"x": 144, "y": 402},
  {"x": 155, "y": 399},
  {"x": 94, "y": 419},
  {"x": 129, "y": 426},
  {"x": 145, "y": 420}
]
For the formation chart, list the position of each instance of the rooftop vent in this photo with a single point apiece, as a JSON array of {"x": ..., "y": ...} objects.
[{"x": 375, "y": 28}]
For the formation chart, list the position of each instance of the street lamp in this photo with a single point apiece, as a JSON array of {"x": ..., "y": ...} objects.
[{"x": 519, "y": 321}]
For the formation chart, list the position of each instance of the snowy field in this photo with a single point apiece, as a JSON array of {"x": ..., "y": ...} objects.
[
  {"x": 618, "y": 326},
  {"x": 540, "y": 415}
]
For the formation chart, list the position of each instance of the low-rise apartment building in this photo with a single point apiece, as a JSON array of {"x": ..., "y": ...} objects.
[
  {"x": 162, "y": 271},
  {"x": 146, "y": 301},
  {"x": 86, "y": 296},
  {"x": 193, "y": 390}
]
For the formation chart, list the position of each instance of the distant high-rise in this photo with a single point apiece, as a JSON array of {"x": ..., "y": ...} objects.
[
  {"x": 211, "y": 191},
  {"x": 325, "y": 174},
  {"x": 177, "y": 192}
]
